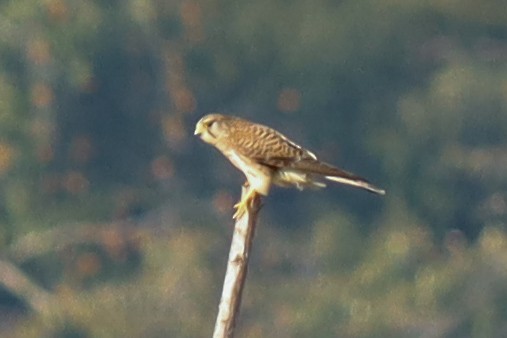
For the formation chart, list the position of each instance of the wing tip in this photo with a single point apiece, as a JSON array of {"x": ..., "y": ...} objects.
[
  {"x": 358, "y": 183},
  {"x": 376, "y": 190}
]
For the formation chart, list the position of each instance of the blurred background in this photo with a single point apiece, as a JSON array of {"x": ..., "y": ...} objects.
[{"x": 116, "y": 222}]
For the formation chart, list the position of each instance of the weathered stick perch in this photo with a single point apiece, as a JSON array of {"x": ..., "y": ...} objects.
[
  {"x": 237, "y": 266},
  {"x": 17, "y": 282}
]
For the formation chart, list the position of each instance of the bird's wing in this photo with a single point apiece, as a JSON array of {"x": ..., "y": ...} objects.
[
  {"x": 334, "y": 174},
  {"x": 272, "y": 149},
  {"x": 315, "y": 166},
  {"x": 266, "y": 145}
]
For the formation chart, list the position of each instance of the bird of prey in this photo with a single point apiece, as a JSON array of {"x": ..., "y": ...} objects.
[{"x": 267, "y": 158}]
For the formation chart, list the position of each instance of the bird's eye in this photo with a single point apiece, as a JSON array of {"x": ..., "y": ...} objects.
[{"x": 212, "y": 125}]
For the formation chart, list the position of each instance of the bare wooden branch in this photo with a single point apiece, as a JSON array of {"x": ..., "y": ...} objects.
[
  {"x": 235, "y": 276},
  {"x": 17, "y": 282}
]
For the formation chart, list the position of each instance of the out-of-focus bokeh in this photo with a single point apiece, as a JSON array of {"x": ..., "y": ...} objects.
[{"x": 115, "y": 221}]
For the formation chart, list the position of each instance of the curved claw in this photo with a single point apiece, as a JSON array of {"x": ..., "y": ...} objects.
[{"x": 242, "y": 206}]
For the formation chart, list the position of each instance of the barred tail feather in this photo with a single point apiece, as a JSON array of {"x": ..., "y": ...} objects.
[{"x": 357, "y": 182}]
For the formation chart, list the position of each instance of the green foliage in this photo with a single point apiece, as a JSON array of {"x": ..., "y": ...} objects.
[{"x": 111, "y": 207}]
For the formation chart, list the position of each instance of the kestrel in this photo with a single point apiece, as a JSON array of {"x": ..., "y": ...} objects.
[{"x": 267, "y": 158}]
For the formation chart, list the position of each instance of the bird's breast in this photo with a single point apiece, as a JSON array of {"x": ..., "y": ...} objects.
[{"x": 258, "y": 176}]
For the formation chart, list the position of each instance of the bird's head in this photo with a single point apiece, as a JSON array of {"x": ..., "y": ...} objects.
[{"x": 211, "y": 127}]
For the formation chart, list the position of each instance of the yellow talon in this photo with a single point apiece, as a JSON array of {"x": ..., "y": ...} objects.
[
  {"x": 243, "y": 205},
  {"x": 241, "y": 208}
]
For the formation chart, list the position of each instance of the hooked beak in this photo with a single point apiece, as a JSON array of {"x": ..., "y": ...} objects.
[{"x": 198, "y": 129}]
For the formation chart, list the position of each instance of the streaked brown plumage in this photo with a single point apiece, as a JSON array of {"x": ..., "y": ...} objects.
[{"x": 267, "y": 157}]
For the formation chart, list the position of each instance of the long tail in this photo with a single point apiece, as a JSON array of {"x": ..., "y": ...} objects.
[{"x": 336, "y": 175}]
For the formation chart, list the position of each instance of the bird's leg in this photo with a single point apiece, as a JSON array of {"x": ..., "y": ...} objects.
[{"x": 244, "y": 203}]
